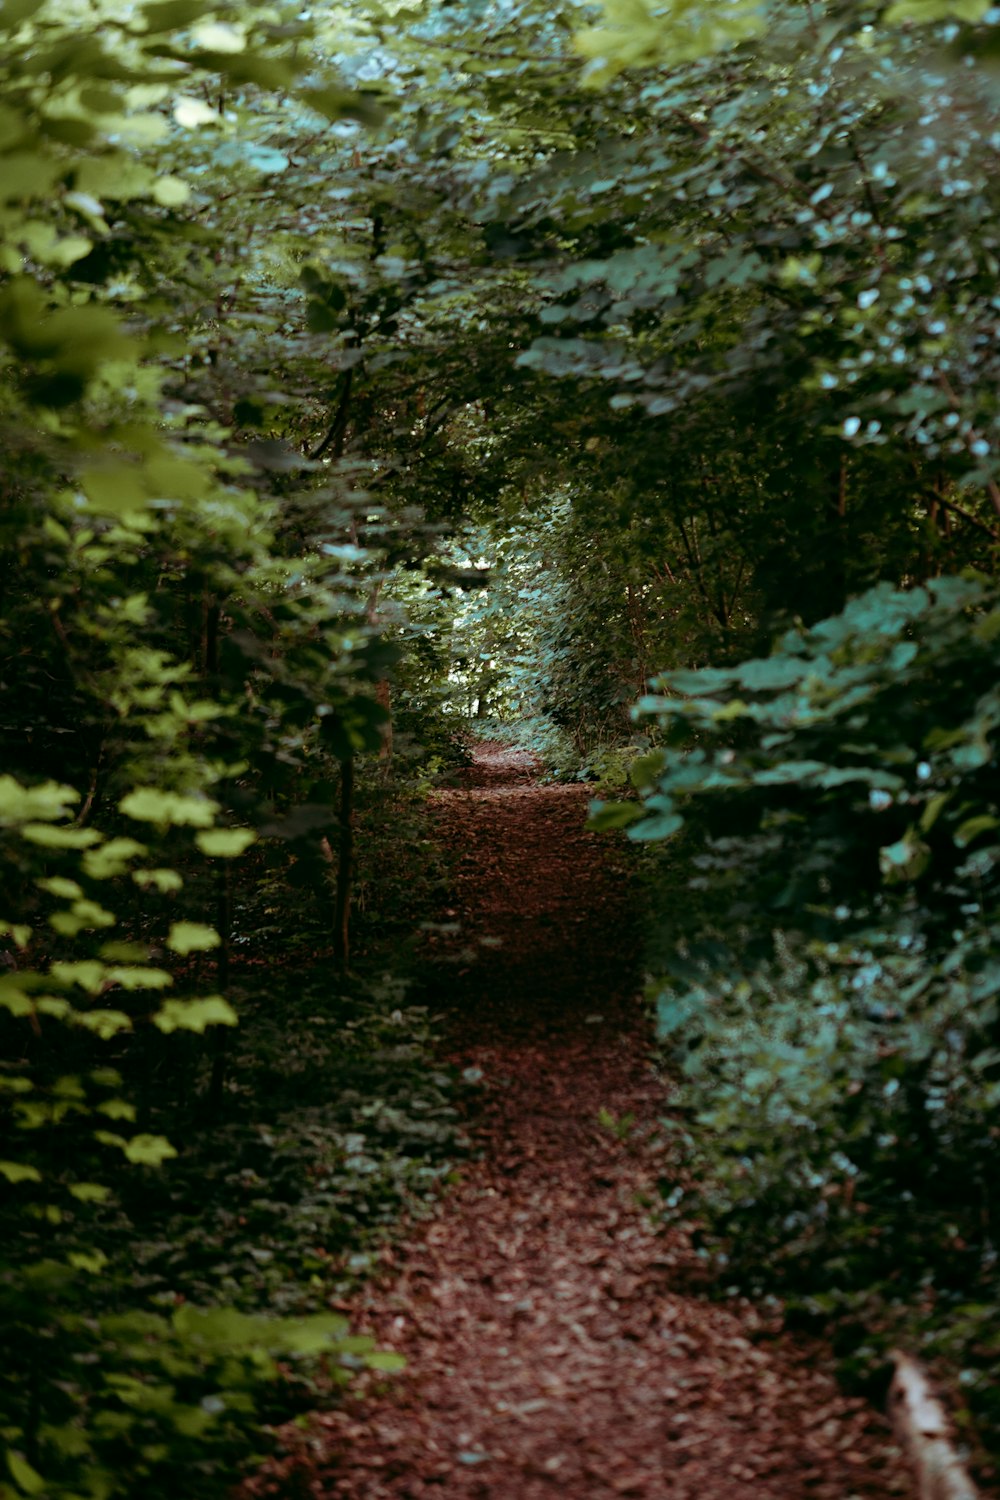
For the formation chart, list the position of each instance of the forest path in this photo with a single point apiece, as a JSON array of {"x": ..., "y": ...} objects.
[{"x": 547, "y": 1351}]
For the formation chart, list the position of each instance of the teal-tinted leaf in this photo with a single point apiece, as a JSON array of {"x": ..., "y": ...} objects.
[
  {"x": 652, "y": 829},
  {"x": 700, "y": 684},
  {"x": 604, "y": 816},
  {"x": 771, "y": 672}
]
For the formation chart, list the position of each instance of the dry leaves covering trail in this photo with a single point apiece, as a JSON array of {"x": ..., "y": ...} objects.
[{"x": 548, "y": 1351}]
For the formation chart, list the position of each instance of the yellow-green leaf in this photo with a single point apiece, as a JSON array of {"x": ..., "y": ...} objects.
[
  {"x": 150, "y": 805},
  {"x": 17, "y": 1171},
  {"x": 149, "y": 1150},
  {"x": 195, "y": 1015},
  {"x": 225, "y": 843},
  {"x": 192, "y": 937}
]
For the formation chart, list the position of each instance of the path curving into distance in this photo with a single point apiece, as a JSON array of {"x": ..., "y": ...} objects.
[{"x": 552, "y": 1345}]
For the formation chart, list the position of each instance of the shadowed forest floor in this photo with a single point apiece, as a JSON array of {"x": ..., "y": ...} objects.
[{"x": 552, "y": 1339}]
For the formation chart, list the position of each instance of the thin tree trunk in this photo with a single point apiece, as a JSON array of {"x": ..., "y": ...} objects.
[
  {"x": 221, "y": 1037},
  {"x": 345, "y": 870},
  {"x": 923, "y": 1430}
]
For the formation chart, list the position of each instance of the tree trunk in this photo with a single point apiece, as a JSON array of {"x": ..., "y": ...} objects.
[
  {"x": 220, "y": 1040},
  {"x": 923, "y": 1431},
  {"x": 345, "y": 870}
]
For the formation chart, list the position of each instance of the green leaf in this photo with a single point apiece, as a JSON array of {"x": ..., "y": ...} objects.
[
  {"x": 164, "y": 881},
  {"x": 117, "y": 1109},
  {"x": 138, "y": 977},
  {"x": 973, "y": 827},
  {"x": 195, "y": 1015},
  {"x": 150, "y": 805},
  {"x": 172, "y": 15},
  {"x": 57, "y": 885},
  {"x": 652, "y": 829},
  {"x": 605, "y": 816},
  {"x": 192, "y": 937},
  {"x": 54, "y": 836},
  {"x": 92, "y": 1261},
  {"x": 103, "y": 1023},
  {"x": 86, "y": 972},
  {"x": 701, "y": 684},
  {"x": 925, "y": 12},
  {"x": 24, "y": 1476},
  {"x": 771, "y": 673},
  {"x": 22, "y": 804},
  {"x": 111, "y": 858},
  {"x": 15, "y": 1171},
  {"x": 149, "y": 1150},
  {"x": 905, "y": 860},
  {"x": 385, "y": 1359},
  {"x": 90, "y": 1192},
  {"x": 171, "y": 192},
  {"x": 225, "y": 843},
  {"x": 933, "y": 811}
]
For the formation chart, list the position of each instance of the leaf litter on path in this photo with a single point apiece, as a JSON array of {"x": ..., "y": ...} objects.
[{"x": 552, "y": 1339}]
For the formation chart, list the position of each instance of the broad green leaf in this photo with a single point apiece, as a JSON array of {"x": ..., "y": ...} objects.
[
  {"x": 164, "y": 881},
  {"x": 15, "y": 999},
  {"x": 55, "y": 836},
  {"x": 111, "y": 858},
  {"x": 385, "y": 1359},
  {"x": 172, "y": 15},
  {"x": 87, "y": 973},
  {"x": 651, "y": 829},
  {"x": 925, "y": 12},
  {"x": 225, "y": 843},
  {"x": 149, "y": 1150},
  {"x": 103, "y": 1023},
  {"x": 117, "y": 1109},
  {"x": 92, "y": 1261},
  {"x": 138, "y": 977},
  {"x": 195, "y": 1015},
  {"x": 58, "y": 885},
  {"x": 604, "y": 816},
  {"x": 27, "y": 1479},
  {"x": 90, "y": 1192},
  {"x": 192, "y": 937},
  {"x": 21, "y": 804},
  {"x": 150, "y": 805},
  {"x": 16, "y": 1171},
  {"x": 171, "y": 192}
]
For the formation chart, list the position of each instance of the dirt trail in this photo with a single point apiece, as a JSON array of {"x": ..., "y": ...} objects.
[{"x": 547, "y": 1349}]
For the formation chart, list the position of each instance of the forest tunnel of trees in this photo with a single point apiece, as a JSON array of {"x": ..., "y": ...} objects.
[{"x": 617, "y": 382}]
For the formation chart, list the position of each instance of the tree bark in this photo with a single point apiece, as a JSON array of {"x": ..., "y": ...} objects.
[
  {"x": 220, "y": 1040},
  {"x": 345, "y": 870},
  {"x": 924, "y": 1432}
]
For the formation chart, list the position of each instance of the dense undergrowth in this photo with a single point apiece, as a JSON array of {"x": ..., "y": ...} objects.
[
  {"x": 156, "y": 1328},
  {"x": 829, "y": 994}
]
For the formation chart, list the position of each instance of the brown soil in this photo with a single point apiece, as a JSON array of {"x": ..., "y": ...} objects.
[{"x": 552, "y": 1338}]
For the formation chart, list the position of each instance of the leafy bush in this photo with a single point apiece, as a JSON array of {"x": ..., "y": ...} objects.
[{"x": 831, "y": 990}]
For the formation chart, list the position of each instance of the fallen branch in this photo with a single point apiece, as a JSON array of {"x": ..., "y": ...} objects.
[{"x": 924, "y": 1432}]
